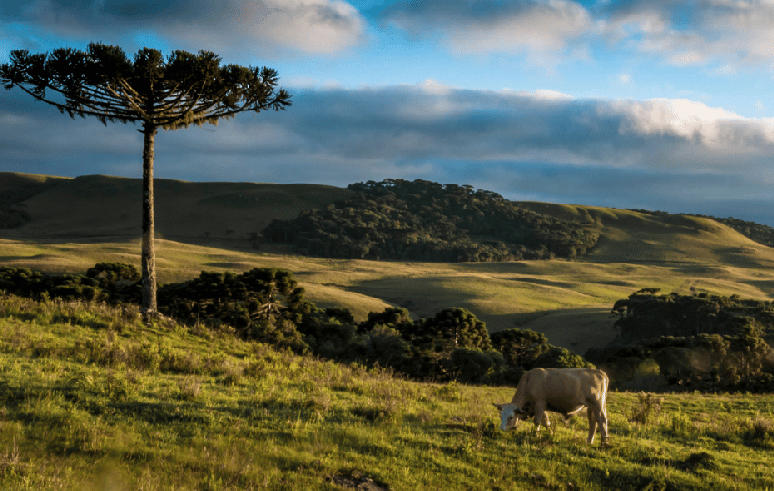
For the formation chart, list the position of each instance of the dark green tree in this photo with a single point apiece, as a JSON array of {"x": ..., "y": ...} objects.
[{"x": 170, "y": 93}]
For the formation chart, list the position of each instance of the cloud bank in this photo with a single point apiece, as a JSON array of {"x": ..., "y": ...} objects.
[
  {"x": 675, "y": 155},
  {"x": 231, "y": 27},
  {"x": 484, "y": 26},
  {"x": 724, "y": 33}
]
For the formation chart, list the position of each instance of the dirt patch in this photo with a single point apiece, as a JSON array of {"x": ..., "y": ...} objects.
[{"x": 356, "y": 479}]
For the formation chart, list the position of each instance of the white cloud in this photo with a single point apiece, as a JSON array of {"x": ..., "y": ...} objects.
[
  {"x": 540, "y": 94},
  {"x": 251, "y": 26},
  {"x": 713, "y": 129},
  {"x": 733, "y": 32},
  {"x": 540, "y": 27},
  {"x": 728, "y": 33},
  {"x": 311, "y": 26},
  {"x": 724, "y": 70}
]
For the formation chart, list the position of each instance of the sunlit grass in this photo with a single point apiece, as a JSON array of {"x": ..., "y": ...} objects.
[
  {"x": 94, "y": 399},
  {"x": 503, "y": 294}
]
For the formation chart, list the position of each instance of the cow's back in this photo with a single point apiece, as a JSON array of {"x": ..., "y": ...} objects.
[{"x": 563, "y": 388}]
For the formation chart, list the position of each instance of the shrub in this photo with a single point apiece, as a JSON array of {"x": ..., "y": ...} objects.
[
  {"x": 760, "y": 431},
  {"x": 383, "y": 346},
  {"x": 520, "y": 347},
  {"x": 557, "y": 357},
  {"x": 473, "y": 365},
  {"x": 648, "y": 405}
]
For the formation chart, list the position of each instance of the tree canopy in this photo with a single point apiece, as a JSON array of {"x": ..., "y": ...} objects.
[
  {"x": 174, "y": 93},
  {"x": 182, "y": 90},
  {"x": 427, "y": 221}
]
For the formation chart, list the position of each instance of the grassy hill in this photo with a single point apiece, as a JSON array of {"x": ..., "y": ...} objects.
[
  {"x": 93, "y": 399},
  {"x": 100, "y": 207},
  {"x": 92, "y": 219}
]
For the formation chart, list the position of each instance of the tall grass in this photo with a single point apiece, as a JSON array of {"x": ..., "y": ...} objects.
[{"x": 91, "y": 398}]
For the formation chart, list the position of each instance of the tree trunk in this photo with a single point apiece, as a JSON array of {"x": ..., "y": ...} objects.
[{"x": 149, "y": 305}]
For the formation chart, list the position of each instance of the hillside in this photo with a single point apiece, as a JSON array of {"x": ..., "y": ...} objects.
[
  {"x": 82, "y": 221},
  {"x": 100, "y": 207}
]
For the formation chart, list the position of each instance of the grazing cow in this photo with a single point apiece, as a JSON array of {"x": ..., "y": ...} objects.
[{"x": 560, "y": 390}]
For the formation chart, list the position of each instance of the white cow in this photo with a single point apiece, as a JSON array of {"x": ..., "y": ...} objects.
[{"x": 560, "y": 390}]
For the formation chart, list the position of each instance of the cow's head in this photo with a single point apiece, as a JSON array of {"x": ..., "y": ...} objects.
[{"x": 510, "y": 415}]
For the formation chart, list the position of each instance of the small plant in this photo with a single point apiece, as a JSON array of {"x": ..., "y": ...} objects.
[
  {"x": 232, "y": 375},
  {"x": 760, "y": 431},
  {"x": 190, "y": 387},
  {"x": 648, "y": 405},
  {"x": 9, "y": 459},
  {"x": 680, "y": 424},
  {"x": 119, "y": 386}
]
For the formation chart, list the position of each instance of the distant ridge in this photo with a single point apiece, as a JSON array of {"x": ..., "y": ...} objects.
[
  {"x": 15, "y": 188},
  {"x": 99, "y": 206},
  {"x": 231, "y": 215}
]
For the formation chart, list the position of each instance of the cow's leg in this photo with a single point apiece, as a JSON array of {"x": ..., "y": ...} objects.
[
  {"x": 547, "y": 422},
  {"x": 541, "y": 417},
  {"x": 591, "y": 413},
  {"x": 602, "y": 418}
]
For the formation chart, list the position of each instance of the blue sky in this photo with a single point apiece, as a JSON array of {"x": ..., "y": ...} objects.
[{"x": 632, "y": 104}]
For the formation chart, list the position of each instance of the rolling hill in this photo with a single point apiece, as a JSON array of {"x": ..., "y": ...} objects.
[
  {"x": 102, "y": 208},
  {"x": 207, "y": 226}
]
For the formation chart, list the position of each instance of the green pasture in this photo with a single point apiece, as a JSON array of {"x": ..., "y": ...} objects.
[{"x": 93, "y": 399}]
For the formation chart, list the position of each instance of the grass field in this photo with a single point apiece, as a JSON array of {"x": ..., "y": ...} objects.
[{"x": 92, "y": 399}]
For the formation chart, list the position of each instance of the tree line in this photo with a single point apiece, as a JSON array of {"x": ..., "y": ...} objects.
[
  {"x": 427, "y": 221},
  {"x": 268, "y": 306},
  {"x": 705, "y": 342}
]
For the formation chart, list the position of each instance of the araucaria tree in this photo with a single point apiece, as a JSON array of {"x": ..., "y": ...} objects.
[{"x": 174, "y": 93}]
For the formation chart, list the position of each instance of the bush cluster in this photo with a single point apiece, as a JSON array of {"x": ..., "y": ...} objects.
[
  {"x": 646, "y": 314},
  {"x": 13, "y": 217},
  {"x": 699, "y": 342},
  {"x": 105, "y": 282},
  {"x": 427, "y": 221},
  {"x": 261, "y": 304},
  {"x": 266, "y": 305}
]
